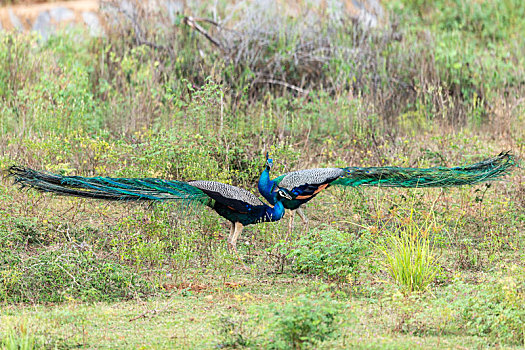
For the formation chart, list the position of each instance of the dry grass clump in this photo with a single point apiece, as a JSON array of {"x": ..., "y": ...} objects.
[{"x": 255, "y": 48}]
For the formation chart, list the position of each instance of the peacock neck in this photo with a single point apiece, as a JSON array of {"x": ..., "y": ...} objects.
[
  {"x": 266, "y": 185},
  {"x": 274, "y": 213}
]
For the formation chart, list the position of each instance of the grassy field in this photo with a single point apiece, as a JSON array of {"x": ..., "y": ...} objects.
[{"x": 439, "y": 83}]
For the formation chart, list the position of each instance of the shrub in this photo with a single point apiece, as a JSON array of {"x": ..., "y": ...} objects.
[
  {"x": 303, "y": 322},
  {"x": 56, "y": 275},
  {"x": 497, "y": 309},
  {"x": 330, "y": 253}
]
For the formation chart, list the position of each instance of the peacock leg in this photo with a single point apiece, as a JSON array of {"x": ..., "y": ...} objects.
[
  {"x": 303, "y": 217},
  {"x": 236, "y": 234},
  {"x": 290, "y": 223},
  {"x": 230, "y": 237}
]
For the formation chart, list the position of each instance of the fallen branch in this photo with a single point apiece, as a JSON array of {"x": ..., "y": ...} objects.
[
  {"x": 132, "y": 17},
  {"x": 282, "y": 83},
  {"x": 192, "y": 23},
  {"x": 152, "y": 312}
]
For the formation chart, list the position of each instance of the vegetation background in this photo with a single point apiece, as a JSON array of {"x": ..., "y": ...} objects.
[{"x": 435, "y": 83}]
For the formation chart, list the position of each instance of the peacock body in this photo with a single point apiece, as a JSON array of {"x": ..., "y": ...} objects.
[
  {"x": 304, "y": 185},
  {"x": 236, "y": 205}
]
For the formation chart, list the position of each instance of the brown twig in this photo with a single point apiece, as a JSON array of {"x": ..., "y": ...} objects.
[
  {"x": 152, "y": 312},
  {"x": 139, "y": 36},
  {"x": 192, "y": 23},
  {"x": 282, "y": 83}
]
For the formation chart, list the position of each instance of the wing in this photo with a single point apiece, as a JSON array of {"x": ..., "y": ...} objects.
[
  {"x": 303, "y": 184},
  {"x": 233, "y": 197}
]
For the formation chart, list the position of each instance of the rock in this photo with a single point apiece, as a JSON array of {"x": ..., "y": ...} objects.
[
  {"x": 43, "y": 25},
  {"x": 369, "y": 12},
  {"x": 127, "y": 7},
  {"x": 173, "y": 7},
  {"x": 61, "y": 14},
  {"x": 93, "y": 23},
  {"x": 17, "y": 24}
]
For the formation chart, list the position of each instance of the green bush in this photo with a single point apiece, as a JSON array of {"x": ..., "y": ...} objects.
[
  {"x": 303, "y": 322},
  {"x": 330, "y": 253},
  {"x": 497, "y": 309},
  {"x": 489, "y": 20},
  {"x": 67, "y": 273}
]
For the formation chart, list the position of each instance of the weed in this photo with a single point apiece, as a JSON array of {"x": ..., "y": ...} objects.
[
  {"x": 19, "y": 338},
  {"x": 234, "y": 332},
  {"x": 303, "y": 322},
  {"x": 330, "y": 253},
  {"x": 497, "y": 308},
  {"x": 408, "y": 255}
]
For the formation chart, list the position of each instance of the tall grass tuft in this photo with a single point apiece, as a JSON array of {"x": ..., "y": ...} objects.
[
  {"x": 19, "y": 338},
  {"x": 408, "y": 254}
]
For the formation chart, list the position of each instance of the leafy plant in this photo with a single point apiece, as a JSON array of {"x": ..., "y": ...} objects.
[
  {"x": 497, "y": 309},
  {"x": 330, "y": 253},
  {"x": 303, "y": 322}
]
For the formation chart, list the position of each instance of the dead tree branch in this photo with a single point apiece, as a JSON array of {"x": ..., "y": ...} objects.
[{"x": 192, "y": 23}]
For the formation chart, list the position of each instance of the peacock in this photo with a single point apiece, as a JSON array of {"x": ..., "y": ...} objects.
[
  {"x": 303, "y": 185},
  {"x": 235, "y": 204}
]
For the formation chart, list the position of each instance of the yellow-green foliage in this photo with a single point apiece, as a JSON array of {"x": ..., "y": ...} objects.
[
  {"x": 497, "y": 308},
  {"x": 408, "y": 254},
  {"x": 438, "y": 84}
]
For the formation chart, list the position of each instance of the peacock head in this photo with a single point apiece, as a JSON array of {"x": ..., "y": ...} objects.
[
  {"x": 269, "y": 161},
  {"x": 283, "y": 194}
]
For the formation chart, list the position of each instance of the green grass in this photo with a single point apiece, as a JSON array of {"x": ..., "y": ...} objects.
[
  {"x": 441, "y": 85},
  {"x": 409, "y": 257},
  {"x": 197, "y": 319}
]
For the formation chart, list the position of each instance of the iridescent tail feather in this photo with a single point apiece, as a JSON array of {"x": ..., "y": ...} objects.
[
  {"x": 121, "y": 189},
  {"x": 485, "y": 170}
]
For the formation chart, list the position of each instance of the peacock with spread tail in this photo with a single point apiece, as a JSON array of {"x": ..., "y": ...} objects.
[
  {"x": 235, "y": 204},
  {"x": 303, "y": 185}
]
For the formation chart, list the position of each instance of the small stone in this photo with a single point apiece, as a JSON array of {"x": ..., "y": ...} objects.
[
  {"x": 15, "y": 21},
  {"x": 61, "y": 14},
  {"x": 173, "y": 7},
  {"x": 92, "y": 22},
  {"x": 43, "y": 25}
]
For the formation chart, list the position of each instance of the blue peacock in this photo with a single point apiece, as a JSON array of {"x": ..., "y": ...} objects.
[
  {"x": 240, "y": 207},
  {"x": 235, "y": 204},
  {"x": 303, "y": 185}
]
